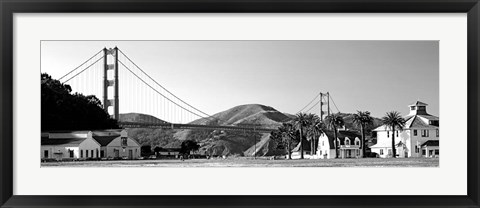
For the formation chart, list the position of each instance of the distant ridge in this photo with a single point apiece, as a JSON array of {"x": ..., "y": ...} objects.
[
  {"x": 139, "y": 117},
  {"x": 262, "y": 115}
]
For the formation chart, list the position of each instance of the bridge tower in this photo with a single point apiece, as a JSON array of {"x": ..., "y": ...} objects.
[
  {"x": 322, "y": 103},
  {"x": 109, "y": 82}
]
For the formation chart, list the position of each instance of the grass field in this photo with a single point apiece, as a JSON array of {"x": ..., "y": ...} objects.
[{"x": 259, "y": 162}]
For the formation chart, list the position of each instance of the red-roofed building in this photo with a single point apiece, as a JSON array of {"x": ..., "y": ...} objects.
[{"x": 418, "y": 138}]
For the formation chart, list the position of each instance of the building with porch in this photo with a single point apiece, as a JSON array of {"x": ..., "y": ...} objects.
[
  {"x": 348, "y": 142},
  {"x": 419, "y": 138}
]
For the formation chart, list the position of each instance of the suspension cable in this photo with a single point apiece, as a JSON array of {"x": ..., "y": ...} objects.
[
  {"x": 84, "y": 69},
  {"x": 80, "y": 65},
  {"x": 308, "y": 103},
  {"x": 157, "y": 90},
  {"x": 313, "y": 106},
  {"x": 162, "y": 86},
  {"x": 334, "y": 103}
]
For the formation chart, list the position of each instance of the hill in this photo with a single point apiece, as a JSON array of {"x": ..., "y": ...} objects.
[
  {"x": 215, "y": 142},
  {"x": 235, "y": 142},
  {"x": 139, "y": 117},
  {"x": 265, "y": 116}
]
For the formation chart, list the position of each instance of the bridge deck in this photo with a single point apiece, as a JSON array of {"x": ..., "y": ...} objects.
[{"x": 191, "y": 126}]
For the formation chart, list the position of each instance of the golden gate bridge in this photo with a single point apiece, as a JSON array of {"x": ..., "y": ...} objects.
[{"x": 169, "y": 111}]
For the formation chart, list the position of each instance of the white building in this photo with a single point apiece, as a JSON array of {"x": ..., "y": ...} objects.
[
  {"x": 81, "y": 145},
  {"x": 68, "y": 145},
  {"x": 116, "y": 144},
  {"x": 349, "y": 145},
  {"x": 420, "y": 136}
]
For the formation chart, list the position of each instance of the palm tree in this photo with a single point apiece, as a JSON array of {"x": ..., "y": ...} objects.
[
  {"x": 363, "y": 120},
  {"x": 287, "y": 136},
  {"x": 393, "y": 120},
  {"x": 314, "y": 129},
  {"x": 300, "y": 122},
  {"x": 333, "y": 122}
]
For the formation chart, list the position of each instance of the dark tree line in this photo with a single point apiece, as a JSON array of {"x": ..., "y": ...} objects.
[{"x": 62, "y": 110}]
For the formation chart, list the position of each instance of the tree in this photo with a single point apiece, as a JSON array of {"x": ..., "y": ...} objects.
[
  {"x": 62, "y": 110},
  {"x": 286, "y": 136},
  {"x": 300, "y": 122},
  {"x": 314, "y": 129},
  {"x": 188, "y": 146},
  {"x": 394, "y": 121},
  {"x": 363, "y": 119},
  {"x": 333, "y": 122},
  {"x": 146, "y": 150},
  {"x": 157, "y": 150}
]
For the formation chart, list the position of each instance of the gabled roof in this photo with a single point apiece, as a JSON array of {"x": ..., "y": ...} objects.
[
  {"x": 429, "y": 117},
  {"x": 341, "y": 135},
  {"x": 105, "y": 137},
  {"x": 62, "y": 141},
  {"x": 413, "y": 121},
  {"x": 418, "y": 103},
  {"x": 431, "y": 143},
  {"x": 105, "y": 140}
]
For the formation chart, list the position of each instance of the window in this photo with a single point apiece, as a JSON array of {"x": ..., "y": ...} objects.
[
  {"x": 91, "y": 153},
  {"x": 124, "y": 141},
  {"x": 434, "y": 123},
  {"x": 421, "y": 108},
  {"x": 96, "y": 152},
  {"x": 397, "y": 133},
  {"x": 81, "y": 153},
  {"x": 424, "y": 152},
  {"x": 86, "y": 153},
  {"x": 320, "y": 152},
  {"x": 417, "y": 149},
  {"x": 323, "y": 143},
  {"x": 45, "y": 154},
  {"x": 437, "y": 152},
  {"x": 70, "y": 153},
  {"x": 412, "y": 107},
  {"x": 425, "y": 133},
  {"x": 438, "y": 133},
  {"x": 357, "y": 143},
  {"x": 102, "y": 153},
  {"x": 389, "y": 151},
  {"x": 415, "y": 132},
  {"x": 358, "y": 152},
  {"x": 381, "y": 151},
  {"x": 388, "y": 134},
  {"x": 347, "y": 142}
]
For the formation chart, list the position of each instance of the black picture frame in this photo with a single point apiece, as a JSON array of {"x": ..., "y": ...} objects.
[{"x": 9, "y": 7}]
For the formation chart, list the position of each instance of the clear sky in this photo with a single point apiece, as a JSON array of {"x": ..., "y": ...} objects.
[{"x": 213, "y": 76}]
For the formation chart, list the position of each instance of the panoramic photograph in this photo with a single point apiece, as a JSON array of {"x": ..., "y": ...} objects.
[{"x": 287, "y": 103}]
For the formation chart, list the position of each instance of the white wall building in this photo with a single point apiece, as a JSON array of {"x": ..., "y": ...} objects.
[
  {"x": 349, "y": 145},
  {"x": 81, "y": 145},
  {"x": 69, "y": 145},
  {"x": 420, "y": 136},
  {"x": 117, "y": 144}
]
